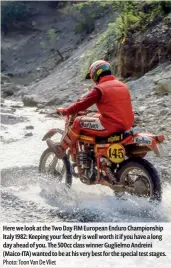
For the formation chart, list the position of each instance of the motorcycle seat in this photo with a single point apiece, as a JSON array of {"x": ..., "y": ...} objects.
[{"x": 115, "y": 137}]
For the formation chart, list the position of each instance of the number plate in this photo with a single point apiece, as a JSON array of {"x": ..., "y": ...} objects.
[
  {"x": 116, "y": 153},
  {"x": 143, "y": 140}
]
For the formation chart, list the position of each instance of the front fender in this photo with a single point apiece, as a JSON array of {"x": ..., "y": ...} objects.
[{"x": 52, "y": 132}]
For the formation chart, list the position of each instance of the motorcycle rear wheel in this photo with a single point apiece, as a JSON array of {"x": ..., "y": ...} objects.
[
  {"x": 147, "y": 183},
  {"x": 60, "y": 168}
]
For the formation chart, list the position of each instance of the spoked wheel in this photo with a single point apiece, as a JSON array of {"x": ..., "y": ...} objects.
[
  {"x": 142, "y": 176},
  {"x": 51, "y": 165}
]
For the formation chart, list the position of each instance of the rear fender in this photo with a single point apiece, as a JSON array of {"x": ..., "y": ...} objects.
[
  {"x": 51, "y": 133},
  {"x": 144, "y": 139},
  {"x": 155, "y": 148}
]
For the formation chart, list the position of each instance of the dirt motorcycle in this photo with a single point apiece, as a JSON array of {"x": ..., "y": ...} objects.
[{"x": 116, "y": 161}]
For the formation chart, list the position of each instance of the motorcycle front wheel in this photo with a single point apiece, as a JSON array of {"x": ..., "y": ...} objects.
[
  {"x": 60, "y": 168},
  {"x": 142, "y": 176}
]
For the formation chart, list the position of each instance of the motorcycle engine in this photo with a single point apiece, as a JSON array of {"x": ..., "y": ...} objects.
[{"x": 86, "y": 160}]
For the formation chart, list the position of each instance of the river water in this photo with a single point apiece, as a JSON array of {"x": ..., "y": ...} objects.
[{"x": 27, "y": 196}]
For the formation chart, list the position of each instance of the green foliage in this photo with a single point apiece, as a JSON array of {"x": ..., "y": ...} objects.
[
  {"x": 124, "y": 23},
  {"x": 52, "y": 40},
  {"x": 120, "y": 5},
  {"x": 137, "y": 15},
  {"x": 134, "y": 16},
  {"x": 53, "y": 37},
  {"x": 12, "y": 12},
  {"x": 51, "y": 43},
  {"x": 104, "y": 48},
  {"x": 44, "y": 45},
  {"x": 130, "y": 17},
  {"x": 85, "y": 13},
  {"x": 85, "y": 26},
  {"x": 157, "y": 9}
]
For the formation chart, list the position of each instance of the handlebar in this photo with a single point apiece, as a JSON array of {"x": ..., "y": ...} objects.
[{"x": 70, "y": 117}]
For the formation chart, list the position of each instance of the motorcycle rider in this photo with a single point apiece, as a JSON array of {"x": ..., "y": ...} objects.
[{"x": 113, "y": 101}]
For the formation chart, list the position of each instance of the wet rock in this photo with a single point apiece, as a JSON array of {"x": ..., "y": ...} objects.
[
  {"x": 3, "y": 127},
  {"x": 141, "y": 98},
  {"x": 30, "y": 100},
  {"x": 55, "y": 101},
  {"x": 17, "y": 106},
  {"x": 9, "y": 119},
  {"x": 91, "y": 36},
  {"x": 29, "y": 127},
  {"x": 43, "y": 112},
  {"x": 40, "y": 105},
  {"x": 167, "y": 19},
  {"x": 8, "y": 110},
  {"x": 163, "y": 104},
  {"x": 5, "y": 79},
  {"x": 7, "y": 140},
  {"x": 152, "y": 93},
  {"x": 9, "y": 89},
  {"x": 12, "y": 110},
  {"x": 141, "y": 109},
  {"x": 163, "y": 87},
  {"x": 53, "y": 115},
  {"x": 163, "y": 112},
  {"x": 162, "y": 128},
  {"x": 159, "y": 100},
  {"x": 137, "y": 119},
  {"x": 28, "y": 134}
]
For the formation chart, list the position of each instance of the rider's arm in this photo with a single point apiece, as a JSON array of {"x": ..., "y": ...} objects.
[{"x": 93, "y": 97}]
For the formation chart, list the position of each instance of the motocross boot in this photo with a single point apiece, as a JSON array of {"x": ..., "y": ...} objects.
[{"x": 60, "y": 148}]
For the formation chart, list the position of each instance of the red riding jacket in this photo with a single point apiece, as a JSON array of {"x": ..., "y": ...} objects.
[{"x": 113, "y": 101}]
